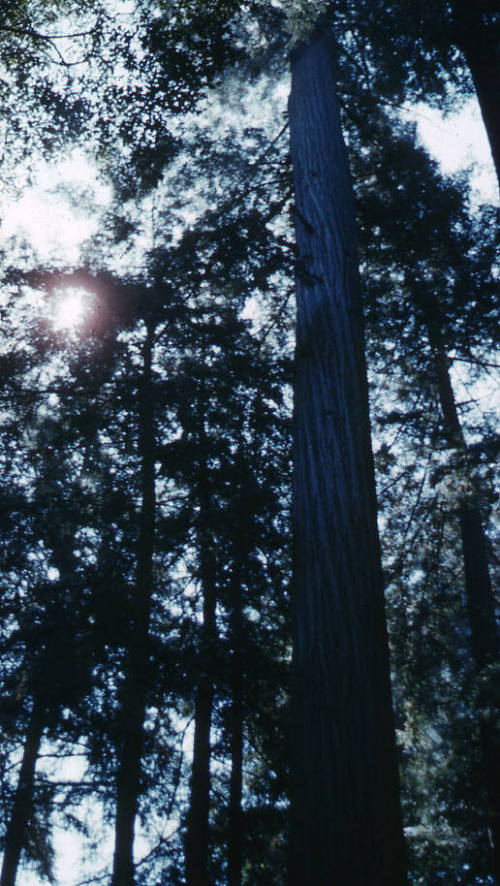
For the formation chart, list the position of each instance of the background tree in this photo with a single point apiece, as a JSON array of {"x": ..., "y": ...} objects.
[
  {"x": 434, "y": 304},
  {"x": 436, "y": 54}
]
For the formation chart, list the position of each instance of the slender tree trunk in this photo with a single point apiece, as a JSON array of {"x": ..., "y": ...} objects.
[
  {"x": 480, "y": 604},
  {"x": 198, "y": 832},
  {"x": 134, "y": 690},
  {"x": 346, "y": 824},
  {"x": 477, "y": 27},
  {"x": 197, "y": 839},
  {"x": 479, "y": 591},
  {"x": 23, "y": 800},
  {"x": 235, "y": 835}
]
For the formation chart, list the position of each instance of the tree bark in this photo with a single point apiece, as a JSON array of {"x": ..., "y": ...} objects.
[
  {"x": 345, "y": 813},
  {"x": 198, "y": 831},
  {"x": 135, "y": 687},
  {"x": 23, "y": 800}
]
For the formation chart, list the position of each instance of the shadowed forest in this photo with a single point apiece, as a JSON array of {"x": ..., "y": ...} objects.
[{"x": 248, "y": 444}]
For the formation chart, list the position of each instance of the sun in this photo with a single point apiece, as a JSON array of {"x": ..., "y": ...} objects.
[{"x": 70, "y": 309}]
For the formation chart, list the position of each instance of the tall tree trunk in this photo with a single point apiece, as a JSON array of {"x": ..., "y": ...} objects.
[
  {"x": 235, "y": 831},
  {"x": 198, "y": 833},
  {"x": 197, "y": 838},
  {"x": 480, "y": 603},
  {"x": 135, "y": 687},
  {"x": 346, "y": 824},
  {"x": 477, "y": 27},
  {"x": 23, "y": 800}
]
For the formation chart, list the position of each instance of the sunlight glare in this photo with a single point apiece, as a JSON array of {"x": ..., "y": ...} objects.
[
  {"x": 70, "y": 310},
  {"x": 458, "y": 142},
  {"x": 59, "y": 211}
]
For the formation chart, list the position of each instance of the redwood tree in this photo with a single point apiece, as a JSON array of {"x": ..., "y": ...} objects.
[{"x": 346, "y": 823}]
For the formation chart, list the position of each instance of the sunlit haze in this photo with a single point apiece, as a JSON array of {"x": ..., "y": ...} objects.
[
  {"x": 70, "y": 309},
  {"x": 59, "y": 211},
  {"x": 458, "y": 141}
]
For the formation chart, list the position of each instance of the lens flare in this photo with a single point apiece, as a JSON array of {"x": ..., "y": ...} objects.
[{"x": 70, "y": 310}]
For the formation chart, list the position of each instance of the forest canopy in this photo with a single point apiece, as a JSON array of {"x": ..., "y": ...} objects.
[{"x": 248, "y": 445}]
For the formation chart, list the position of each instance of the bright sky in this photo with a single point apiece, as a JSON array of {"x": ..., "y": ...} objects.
[
  {"x": 457, "y": 142},
  {"x": 60, "y": 211}
]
